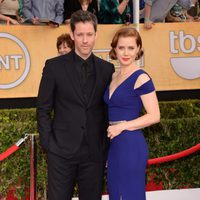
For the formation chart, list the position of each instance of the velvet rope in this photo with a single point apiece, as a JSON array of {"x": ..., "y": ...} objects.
[
  {"x": 8, "y": 152},
  {"x": 13, "y": 148},
  {"x": 175, "y": 156},
  {"x": 152, "y": 161}
]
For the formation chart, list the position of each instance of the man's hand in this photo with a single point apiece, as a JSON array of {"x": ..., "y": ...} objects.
[
  {"x": 35, "y": 20},
  {"x": 53, "y": 24}
]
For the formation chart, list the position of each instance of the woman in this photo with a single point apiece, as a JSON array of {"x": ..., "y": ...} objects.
[
  {"x": 64, "y": 44},
  {"x": 10, "y": 11},
  {"x": 114, "y": 12},
  {"x": 131, "y": 89}
]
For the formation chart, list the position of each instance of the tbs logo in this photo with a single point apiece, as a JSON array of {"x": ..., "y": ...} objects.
[
  {"x": 14, "y": 61},
  {"x": 186, "y": 67}
]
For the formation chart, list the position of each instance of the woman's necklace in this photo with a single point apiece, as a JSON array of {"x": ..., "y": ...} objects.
[{"x": 121, "y": 77}]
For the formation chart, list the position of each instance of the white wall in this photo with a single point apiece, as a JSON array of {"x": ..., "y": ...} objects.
[{"x": 184, "y": 194}]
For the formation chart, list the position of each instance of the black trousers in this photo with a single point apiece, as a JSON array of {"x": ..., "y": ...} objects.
[{"x": 63, "y": 172}]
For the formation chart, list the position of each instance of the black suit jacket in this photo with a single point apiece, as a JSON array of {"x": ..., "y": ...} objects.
[{"x": 60, "y": 92}]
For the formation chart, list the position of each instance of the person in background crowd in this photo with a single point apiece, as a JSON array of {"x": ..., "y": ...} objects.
[
  {"x": 114, "y": 12},
  {"x": 72, "y": 86},
  {"x": 98, "y": 4},
  {"x": 157, "y": 10},
  {"x": 142, "y": 4},
  {"x": 11, "y": 11},
  {"x": 130, "y": 4},
  {"x": 71, "y": 6},
  {"x": 48, "y": 11},
  {"x": 179, "y": 14},
  {"x": 64, "y": 44},
  {"x": 194, "y": 10},
  {"x": 84, "y": 4},
  {"x": 130, "y": 90}
]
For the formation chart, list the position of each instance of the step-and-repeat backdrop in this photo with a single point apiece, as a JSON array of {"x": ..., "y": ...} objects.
[{"x": 171, "y": 55}]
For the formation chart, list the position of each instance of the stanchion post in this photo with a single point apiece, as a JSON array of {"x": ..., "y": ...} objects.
[
  {"x": 136, "y": 13},
  {"x": 32, "y": 167}
]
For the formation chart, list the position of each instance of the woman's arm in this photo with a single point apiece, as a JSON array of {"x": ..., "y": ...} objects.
[
  {"x": 122, "y": 6},
  {"x": 8, "y": 19},
  {"x": 152, "y": 116},
  {"x": 147, "y": 13}
]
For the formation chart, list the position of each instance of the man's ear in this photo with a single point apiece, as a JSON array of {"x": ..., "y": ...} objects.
[{"x": 71, "y": 35}]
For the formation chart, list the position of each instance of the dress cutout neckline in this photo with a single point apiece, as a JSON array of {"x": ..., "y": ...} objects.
[{"x": 111, "y": 95}]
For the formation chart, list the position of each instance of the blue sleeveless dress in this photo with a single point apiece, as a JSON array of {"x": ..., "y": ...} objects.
[{"x": 128, "y": 152}]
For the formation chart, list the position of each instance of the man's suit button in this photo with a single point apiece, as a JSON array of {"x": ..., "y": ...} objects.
[{"x": 83, "y": 127}]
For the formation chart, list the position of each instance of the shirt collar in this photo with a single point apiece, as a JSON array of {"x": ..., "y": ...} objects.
[{"x": 80, "y": 60}]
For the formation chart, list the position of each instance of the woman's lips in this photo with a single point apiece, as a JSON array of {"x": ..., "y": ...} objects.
[{"x": 125, "y": 59}]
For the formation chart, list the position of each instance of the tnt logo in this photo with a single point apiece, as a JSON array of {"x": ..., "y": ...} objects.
[
  {"x": 14, "y": 61},
  {"x": 186, "y": 67}
]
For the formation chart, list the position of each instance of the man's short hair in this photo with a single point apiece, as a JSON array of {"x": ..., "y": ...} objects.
[{"x": 83, "y": 16}]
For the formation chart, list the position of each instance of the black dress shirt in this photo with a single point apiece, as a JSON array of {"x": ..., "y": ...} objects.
[{"x": 86, "y": 71}]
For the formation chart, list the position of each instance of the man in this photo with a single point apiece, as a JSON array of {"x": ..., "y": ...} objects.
[
  {"x": 72, "y": 87},
  {"x": 39, "y": 11}
]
